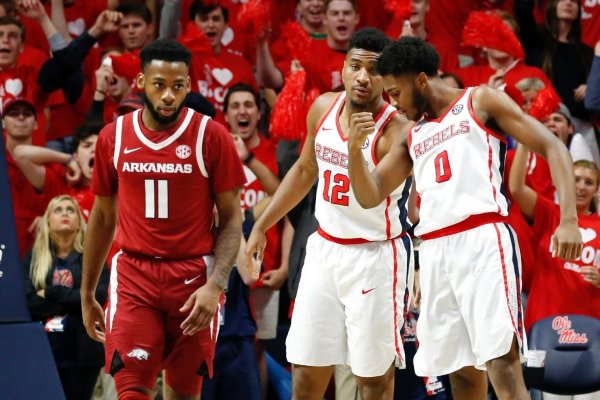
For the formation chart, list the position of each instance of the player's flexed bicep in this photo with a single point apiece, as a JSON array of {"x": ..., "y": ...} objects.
[
  {"x": 491, "y": 104},
  {"x": 370, "y": 189}
]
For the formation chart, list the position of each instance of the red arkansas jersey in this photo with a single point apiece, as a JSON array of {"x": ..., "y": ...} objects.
[
  {"x": 458, "y": 164},
  {"x": 341, "y": 218},
  {"x": 558, "y": 286},
  {"x": 166, "y": 182}
]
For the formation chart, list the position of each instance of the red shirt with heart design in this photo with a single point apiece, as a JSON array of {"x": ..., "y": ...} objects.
[
  {"x": 558, "y": 287},
  {"x": 213, "y": 74}
]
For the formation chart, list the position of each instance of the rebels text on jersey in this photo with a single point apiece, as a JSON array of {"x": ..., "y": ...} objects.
[
  {"x": 341, "y": 218},
  {"x": 166, "y": 182},
  {"x": 458, "y": 165}
]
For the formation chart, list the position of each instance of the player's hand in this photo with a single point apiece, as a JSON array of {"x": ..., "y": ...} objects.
[
  {"x": 73, "y": 172},
  {"x": 93, "y": 319},
  {"x": 275, "y": 278},
  {"x": 591, "y": 274},
  {"x": 203, "y": 305},
  {"x": 566, "y": 241},
  {"x": 255, "y": 250},
  {"x": 361, "y": 126}
]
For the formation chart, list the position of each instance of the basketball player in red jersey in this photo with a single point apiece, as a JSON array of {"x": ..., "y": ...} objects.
[
  {"x": 471, "y": 315},
  {"x": 166, "y": 167}
]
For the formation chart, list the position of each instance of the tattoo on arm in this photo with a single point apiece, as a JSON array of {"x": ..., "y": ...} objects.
[{"x": 226, "y": 250}]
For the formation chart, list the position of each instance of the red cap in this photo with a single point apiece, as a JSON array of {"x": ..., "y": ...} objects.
[{"x": 10, "y": 101}]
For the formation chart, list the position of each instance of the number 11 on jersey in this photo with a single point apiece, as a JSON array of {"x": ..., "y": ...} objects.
[{"x": 157, "y": 193}]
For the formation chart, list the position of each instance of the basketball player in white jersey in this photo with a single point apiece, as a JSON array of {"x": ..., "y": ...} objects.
[
  {"x": 471, "y": 315},
  {"x": 353, "y": 292}
]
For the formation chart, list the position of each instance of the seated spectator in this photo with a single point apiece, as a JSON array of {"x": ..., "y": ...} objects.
[
  {"x": 19, "y": 122},
  {"x": 53, "y": 272},
  {"x": 559, "y": 122},
  {"x": 52, "y": 180}
]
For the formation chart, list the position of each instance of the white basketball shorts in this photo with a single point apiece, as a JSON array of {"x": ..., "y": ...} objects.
[
  {"x": 470, "y": 299},
  {"x": 351, "y": 304}
]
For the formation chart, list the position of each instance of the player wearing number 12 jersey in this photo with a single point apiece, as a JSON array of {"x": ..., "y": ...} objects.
[
  {"x": 471, "y": 314},
  {"x": 166, "y": 167},
  {"x": 358, "y": 267}
]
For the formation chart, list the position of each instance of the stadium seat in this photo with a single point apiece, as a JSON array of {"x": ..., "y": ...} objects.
[{"x": 572, "y": 345}]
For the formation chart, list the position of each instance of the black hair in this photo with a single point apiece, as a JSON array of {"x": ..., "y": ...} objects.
[
  {"x": 408, "y": 55},
  {"x": 138, "y": 9},
  {"x": 8, "y": 20},
  {"x": 87, "y": 129},
  {"x": 165, "y": 50},
  {"x": 201, "y": 8},
  {"x": 455, "y": 77},
  {"x": 239, "y": 87},
  {"x": 369, "y": 39}
]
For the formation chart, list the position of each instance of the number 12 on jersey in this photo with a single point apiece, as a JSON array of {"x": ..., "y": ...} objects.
[
  {"x": 341, "y": 186},
  {"x": 157, "y": 193}
]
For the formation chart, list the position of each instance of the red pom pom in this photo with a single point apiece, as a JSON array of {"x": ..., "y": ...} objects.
[
  {"x": 126, "y": 65},
  {"x": 254, "y": 15},
  {"x": 195, "y": 40},
  {"x": 402, "y": 9},
  {"x": 545, "y": 103},
  {"x": 484, "y": 29},
  {"x": 289, "y": 114},
  {"x": 296, "y": 40}
]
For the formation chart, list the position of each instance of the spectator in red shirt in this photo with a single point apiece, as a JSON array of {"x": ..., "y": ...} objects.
[
  {"x": 325, "y": 58},
  {"x": 212, "y": 74},
  {"x": 19, "y": 122},
  {"x": 311, "y": 18}
]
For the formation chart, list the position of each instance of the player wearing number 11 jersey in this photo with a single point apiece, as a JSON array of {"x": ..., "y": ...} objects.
[
  {"x": 160, "y": 172},
  {"x": 358, "y": 267},
  {"x": 471, "y": 315}
]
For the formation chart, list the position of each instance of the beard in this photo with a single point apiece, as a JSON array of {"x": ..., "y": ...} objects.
[{"x": 159, "y": 118}]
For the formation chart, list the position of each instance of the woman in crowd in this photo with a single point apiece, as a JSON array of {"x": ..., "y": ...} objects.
[{"x": 53, "y": 269}]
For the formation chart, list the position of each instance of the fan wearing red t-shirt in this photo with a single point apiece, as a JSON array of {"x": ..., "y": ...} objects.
[
  {"x": 560, "y": 286},
  {"x": 213, "y": 73},
  {"x": 159, "y": 174}
]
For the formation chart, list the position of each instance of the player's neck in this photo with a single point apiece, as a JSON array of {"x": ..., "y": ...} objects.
[
  {"x": 441, "y": 96},
  {"x": 152, "y": 124}
]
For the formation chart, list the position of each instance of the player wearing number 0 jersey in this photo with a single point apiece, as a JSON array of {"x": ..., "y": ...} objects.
[
  {"x": 159, "y": 174},
  {"x": 471, "y": 315},
  {"x": 357, "y": 272}
]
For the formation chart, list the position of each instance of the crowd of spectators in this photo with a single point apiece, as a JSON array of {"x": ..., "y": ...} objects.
[{"x": 68, "y": 67}]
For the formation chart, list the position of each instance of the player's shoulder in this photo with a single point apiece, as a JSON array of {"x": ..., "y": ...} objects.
[
  {"x": 323, "y": 103},
  {"x": 398, "y": 123}
]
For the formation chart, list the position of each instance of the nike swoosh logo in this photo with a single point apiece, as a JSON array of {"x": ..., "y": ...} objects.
[
  {"x": 367, "y": 291},
  {"x": 127, "y": 151},
  {"x": 188, "y": 281},
  {"x": 327, "y": 129}
]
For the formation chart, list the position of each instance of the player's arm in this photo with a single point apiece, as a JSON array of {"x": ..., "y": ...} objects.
[
  {"x": 495, "y": 104},
  {"x": 522, "y": 194},
  {"x": 370, "y": 189},
  {"x": 202, "y": 304},
  {"x": 98, "y": 238},
  {"x": 31, "y": 160},
  {"x": 295, "y": 185}
]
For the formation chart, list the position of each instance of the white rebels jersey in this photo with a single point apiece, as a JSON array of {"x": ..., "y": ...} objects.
[
  {"x": 458, "y": 165},
  {"x": 340, "y": 216}
]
